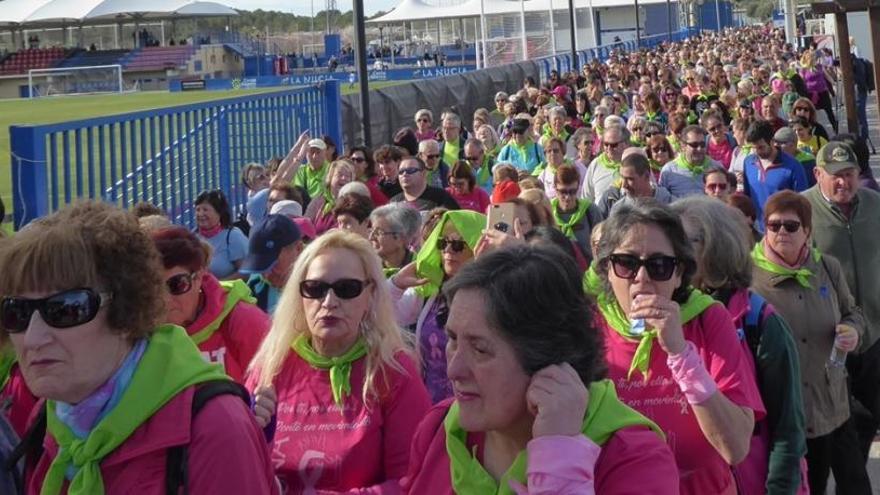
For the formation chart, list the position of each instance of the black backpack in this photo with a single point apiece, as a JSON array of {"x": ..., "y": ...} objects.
[{"x": 31, "y": 445}]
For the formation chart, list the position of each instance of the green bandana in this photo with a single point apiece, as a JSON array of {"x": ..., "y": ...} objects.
[
  {"x": 548, "y": 133},
  {"x": 802, "y": 275},
  {"x": 7, "y": 361},
  {"x": 524, "y": 149},
  {"x": 567, "y": 227},
  {"x": 605, "y": 415},
  {"x": 484, "y": 175},
  {"x": 612, "y": 312},
  {"x": 591, "y": 282},
  {"x": 170, "y": 364},
  {"x": 696, "y": 170},
  {"x": 340, "y": 367},
  {"x": 236, "y": 291},
  {"x": 429, "y": 260},
  {"x": 608, "y": 163}
]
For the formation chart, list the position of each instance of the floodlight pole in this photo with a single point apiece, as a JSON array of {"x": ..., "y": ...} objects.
[
  {"x": 360, "y": 54},
  {"x": 572, "y": 31}
]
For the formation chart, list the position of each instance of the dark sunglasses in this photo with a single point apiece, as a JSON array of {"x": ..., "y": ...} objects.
[
  {"x": 408, "y": 171},
  {"x": 62, "y": 310},
  {"x": 610, "y": 145},
  {"x": 358, "y": 159},
  {"x": 344, "y": 288},
  {"x": 790, "y": 226},
  {"x": 659, "y": 149},
  {"x": 717, "y": 187},
  {"x": 180, "y": 284},
  {"x": 457, "y": 245},
  {"x": 660, "y": 268},
  {"x": 696, "y": 145}
]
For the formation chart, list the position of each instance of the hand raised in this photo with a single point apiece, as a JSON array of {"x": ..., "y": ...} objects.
[{"x": 558, "y": 399}]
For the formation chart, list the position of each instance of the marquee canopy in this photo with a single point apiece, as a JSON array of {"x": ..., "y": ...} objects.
[
  {"x": 36, "y": 13},
  {"x": 419, "y": 10}
]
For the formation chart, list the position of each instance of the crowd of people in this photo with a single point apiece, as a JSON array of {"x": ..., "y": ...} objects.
[{"x": 656, "y": 275}]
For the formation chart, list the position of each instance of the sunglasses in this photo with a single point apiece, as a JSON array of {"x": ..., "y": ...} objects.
[
  {"x": 432, "y": 157},
  {"x": 696, "y": 145},
  {"x": 659, "y": 267},
  {"x": 180, "y": 284},
  {"x": 62, "y": 310},
  {"x": 408, "y": 171},
  {"x": 424, "y": 120},
  {"x": 610, "y": 145},
  {"x": 358, "y": 159},
  {"x": 714, "y": 129},
  {"x": 659, "y": 149},
  {"x": 473, "y": 158},
  {"x": 344, "y": 288},
  {"x": 566, "y": 192},
  {"x": 790, "y": 226},
  {"x": 457, "y": 245}
]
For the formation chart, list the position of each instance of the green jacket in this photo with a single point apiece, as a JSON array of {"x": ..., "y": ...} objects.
[{"x": 856, "y": 244}]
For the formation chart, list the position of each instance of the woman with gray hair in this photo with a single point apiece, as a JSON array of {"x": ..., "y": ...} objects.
[
  {"x": 424, "y": 122},
  {"x": 672, "y": 350},
  {"x": 393, "y": 232},
  {"x": 722, "y": 244}
]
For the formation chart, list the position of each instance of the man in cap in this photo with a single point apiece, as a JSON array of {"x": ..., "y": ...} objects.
[
  {"x": 787, "y": 141},
  {"x": 846, "y": 226},
  {"x": 274, "y": 246},
  {"x": 311, "y": 176}
]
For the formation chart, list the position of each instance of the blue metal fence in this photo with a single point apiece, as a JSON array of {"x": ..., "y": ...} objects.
[{"x": 166, "y": 156}]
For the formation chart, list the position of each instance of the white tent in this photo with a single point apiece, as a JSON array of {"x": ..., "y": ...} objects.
[
  {"x": 14, "y": 12},
  {"x": 37, "y": 13},
  {"x": 158, "y": 8},
  {"x": 418, "y": 10}
]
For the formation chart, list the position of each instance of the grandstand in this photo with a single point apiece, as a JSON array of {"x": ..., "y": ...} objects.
[
  {"x": 83, "y": 58},
  {"x": 32, "y": 58},
  {"x": 158, "y": 58}
]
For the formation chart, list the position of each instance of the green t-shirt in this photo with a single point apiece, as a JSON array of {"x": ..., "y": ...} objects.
[
  {"x": 450, "y": 153},
  {"x": 311, "y": 180}
]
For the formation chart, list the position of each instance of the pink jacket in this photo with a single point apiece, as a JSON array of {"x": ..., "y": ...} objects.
[
  {"x": 20, "y": 399},
  {"x": 227, "y": 452},
  {"x": 558, "y": 465},
  {"x": 236, "y": 341}
]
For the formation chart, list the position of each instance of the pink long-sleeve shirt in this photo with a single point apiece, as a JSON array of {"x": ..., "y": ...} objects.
[
  {"x": 633, "y": 460},
  {"x": 322, "y": 448}
]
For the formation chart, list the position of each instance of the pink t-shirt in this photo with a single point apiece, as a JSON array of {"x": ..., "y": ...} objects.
[
  {"x": 721, "y": 153},
  {"x": 701, "y": 468},
  {"x": 633, "y": 460},
  {"x": 477, "y": 200},
  {"x": 318, "y": 447}
]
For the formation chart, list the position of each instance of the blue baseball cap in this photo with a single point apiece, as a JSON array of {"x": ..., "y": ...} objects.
[{"x": 268, "y": 237}]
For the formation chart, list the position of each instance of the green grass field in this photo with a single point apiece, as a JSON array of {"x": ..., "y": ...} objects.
[{"x": 61, "y": 109}]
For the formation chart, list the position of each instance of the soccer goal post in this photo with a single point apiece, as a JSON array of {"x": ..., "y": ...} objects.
[{"x": 75, "y": 80}]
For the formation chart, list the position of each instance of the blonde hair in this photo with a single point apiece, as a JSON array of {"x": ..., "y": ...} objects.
[
  {"x": 341, "y": 163},
  {"x": 382, "y": 335}
]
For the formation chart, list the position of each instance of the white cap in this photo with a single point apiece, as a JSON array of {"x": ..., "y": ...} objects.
[
  {"x": 318, "y": 143},
  {"x": 287, "y": 207}
]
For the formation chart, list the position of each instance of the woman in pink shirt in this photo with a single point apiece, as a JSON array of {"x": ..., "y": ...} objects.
[
  {"x": 424, "y": 121},
  {"x": 463, "y": 188},
  {"x": 531, "y": 413},
  {"x": 335, "y": 373},
  {"x": 720, "y": 144},
  {"x": 672, "y": 351}
]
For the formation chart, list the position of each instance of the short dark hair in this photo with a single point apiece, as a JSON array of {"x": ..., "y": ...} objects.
[
  {"x": 638, "y": 162},
  {"x": 290, "y": 192},
  {"x": 218, "y": 201},
  {"x": 355, "y": 205},
  {"x": 368, "y": 155},
  {"x": 387, "y": 152},
  {"x": 142, "y": 209},
  {"x": 415, "y": 159},
  {"x": 547, "y": 235},
  {"x": 535, "y": 300},
  {"x": 759, "y": 130},
  {"x": 567, "y": 174},
  {"x": 406, "y": 138},
  {"x": 790, "y": 201},
  {"x": 647, "y": 212},
  {"x": 461, "y": 169}
]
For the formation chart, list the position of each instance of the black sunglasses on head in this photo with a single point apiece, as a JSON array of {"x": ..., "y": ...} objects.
[
  {"x": 659, "y": 267},
  {"x": 344, "y": 288},
  {"x": 65, "y": 309}
]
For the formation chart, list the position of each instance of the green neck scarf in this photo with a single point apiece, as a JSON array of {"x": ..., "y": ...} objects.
[
  {"x": 484, "y": 175},
  {"x": 802, "y": 275},
  {"x": 429, "y": 260},
  {"x": 170, "y": 364},
  {"x": 523, "y": 149},
  {"x": 612, "y": 312},
  {"x": 605, "y": 415},
  {"x": 339, "y": 367},
  {"x": 236, "y": 291},
  {"x": 567, "y": 227},
  {"x": 591, "y": 282},
  {"x": 697, "y": 170},
  {"x": 548, "y": 133},
  {"x": 608, "y": 163},
  {"x": 7, "y": 361},
  {"x": 329, "y": 203}
]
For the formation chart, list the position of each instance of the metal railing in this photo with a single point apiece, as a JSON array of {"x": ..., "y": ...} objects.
[{"x": 165, "y": 156}]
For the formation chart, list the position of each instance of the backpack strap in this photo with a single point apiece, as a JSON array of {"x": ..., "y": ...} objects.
[
  {"x": 753, "y": 321},
  {"x": 176, "y": 461}
]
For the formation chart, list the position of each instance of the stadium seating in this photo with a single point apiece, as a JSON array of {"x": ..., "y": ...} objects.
[
  {"x": 159, "y": 58},
  {"x": 32, "y": 58},
  {"x": 82, "y": 58}
]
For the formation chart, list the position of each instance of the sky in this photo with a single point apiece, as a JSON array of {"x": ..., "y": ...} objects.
[{"x": 304, "y": 7}]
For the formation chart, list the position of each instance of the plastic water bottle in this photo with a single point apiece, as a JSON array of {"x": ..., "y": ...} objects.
[{"x": 837, "y": 359}]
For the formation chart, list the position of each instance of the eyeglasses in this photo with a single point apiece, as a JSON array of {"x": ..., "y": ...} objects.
[
  {"x": 714, "y": 129},
  {"x": 432, "y": 157},
  {"x": 552, "y": 150},
  {"x": 801, "y": 109},
  {"x": 651, "y": 133},
  {"x": 358, "y": 159},
  {"x": 65, "y": 309},
  {"x": 611, "y": 145},
  {"x": 344, "y": 288},
  {"x": 408, "y": 171},
  {"x": 457, "y": 245},
  {"x": 659, "y": 149},
  {"x": 375, "y": 233},
  {"x": 790, "y": 226},
  {"x": 717, "y": 187},
  {"x": 473, "y": 158},
  {"x": 659, "y": 267},
  {"x": 424, "y": 120},
  {"x": 696, "y": 145},
  {"x": 566, "y": 192},
  {"x": 180, "y": 284}
]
